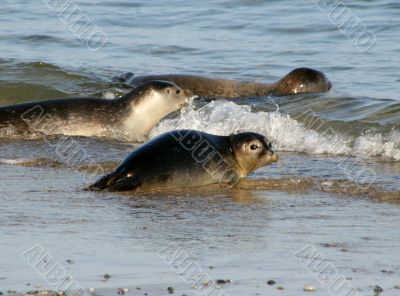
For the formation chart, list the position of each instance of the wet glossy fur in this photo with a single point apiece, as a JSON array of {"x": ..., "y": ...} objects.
[{"x": 301, "y": 80}]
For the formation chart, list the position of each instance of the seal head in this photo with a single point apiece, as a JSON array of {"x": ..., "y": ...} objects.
[
  {"x": 252, "y": 151},
  {"x": 145, "y": 106},
  {"x": 302, "y": 80}
]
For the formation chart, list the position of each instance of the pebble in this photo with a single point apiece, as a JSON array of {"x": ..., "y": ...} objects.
[
  {"x": 397, "y": 286},
  {"x": 378, "y": 289},
  {"x": 222, "y": 282},
  {"x": 92, "y": 290},
  {"x": 69, "y": 261},
  {"x": 122, "y": 291},
  {"x": 107, "y": 276},
  {"x": 170, "y": 290},
  {"x": 271, "y": 282},
  {"x": 279, "y": 288},
  {"x": 309, "y": 289}
]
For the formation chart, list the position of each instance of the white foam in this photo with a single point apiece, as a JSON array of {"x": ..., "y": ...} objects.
[
  {"x": 286, "y": 133},
  {"x": 377, "y": 144}
]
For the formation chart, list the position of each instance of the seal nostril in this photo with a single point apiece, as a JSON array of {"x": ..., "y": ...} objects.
[{"x": 178, "y": 91}]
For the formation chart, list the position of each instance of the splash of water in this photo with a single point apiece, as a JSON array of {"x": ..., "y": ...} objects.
[{"x": 286, "y": 133}]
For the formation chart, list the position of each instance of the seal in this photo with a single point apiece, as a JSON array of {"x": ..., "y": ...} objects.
[
  {"x": 301, "y": 80},
  {"x": 189, "y": 158},
  {"x": 134, "y": 113}
]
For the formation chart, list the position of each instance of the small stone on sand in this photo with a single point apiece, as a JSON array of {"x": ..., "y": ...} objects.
[
  {"x": 309, "y": 289},
  {"x": 122, "y": 291},
  {"x": 107, "y": 276},
  {"x": 378, "y": 289},
  {"x": 222, "y": 282},
  {"x": 271, "y": 282},
  {"x": 170, "y": 290}
]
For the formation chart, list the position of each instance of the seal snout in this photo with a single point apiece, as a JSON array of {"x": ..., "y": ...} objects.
[
  {"x": 273, "y": 157},
  {"x": 270, "y": 154}
]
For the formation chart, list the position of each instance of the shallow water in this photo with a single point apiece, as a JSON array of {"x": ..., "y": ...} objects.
[{"x": 336, "y": 186}]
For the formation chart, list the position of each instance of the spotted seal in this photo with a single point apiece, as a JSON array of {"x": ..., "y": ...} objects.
[
  {"x": 301, "y": 80},
  {"x": 135, "y": 113},
  {"x": 189, "y": 158}
]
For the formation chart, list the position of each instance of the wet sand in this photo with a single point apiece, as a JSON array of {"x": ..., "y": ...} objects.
[{"x": 247, "y": 236}]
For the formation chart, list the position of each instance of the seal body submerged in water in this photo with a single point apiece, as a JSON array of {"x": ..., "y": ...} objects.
[
  {"x": 188, "y": 158},
  {"x": 301, "y": 80},
  {"x": 134, "y": 113}
]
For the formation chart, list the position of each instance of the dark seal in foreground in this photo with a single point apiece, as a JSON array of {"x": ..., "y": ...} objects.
[
  {"x": 301, "y": 80},
  {"x": 189, "y": 158},
  {"x": 135, "y": 113}
]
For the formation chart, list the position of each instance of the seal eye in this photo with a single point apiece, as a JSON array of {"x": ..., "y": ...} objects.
[
  {"x": 254, "y": 147},
  {"x": 178, "y": 91},
  {"x": 167, "y": 90}
]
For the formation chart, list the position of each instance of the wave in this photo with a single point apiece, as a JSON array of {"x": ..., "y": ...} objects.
[
  {"x": 287, "y": 133},
  {"x": 31, "y": 81}
]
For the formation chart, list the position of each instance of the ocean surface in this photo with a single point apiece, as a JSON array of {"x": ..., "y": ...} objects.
[{"x": 335, "y": 190}]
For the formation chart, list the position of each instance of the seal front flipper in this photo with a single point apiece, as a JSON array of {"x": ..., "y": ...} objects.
[
  {"x": 104, "y": 182},
  {"x": 125, "y": 183},
  {"x": 230, "y": 178},
  {"x": 116, "y": 182}
]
